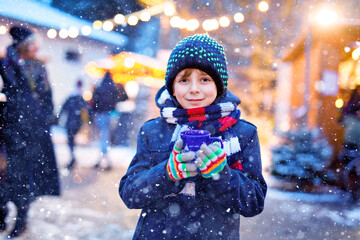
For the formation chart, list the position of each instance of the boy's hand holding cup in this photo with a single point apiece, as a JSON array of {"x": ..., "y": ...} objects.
[
  {"x": 211, "y": 158},
  {"x": 180, "y": 165},
  {"x": 196, "y": 151}
]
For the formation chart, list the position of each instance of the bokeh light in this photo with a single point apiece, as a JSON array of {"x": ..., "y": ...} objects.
[
  {"x": 145, "y": 16},
  {"x": 108, "y": 26},
  {"x": 73, "y": 32},
  {"x": 263, "y": 6},
  {"x": 339, "y": 103},
  {"x": 192, "y": 24},
  {"x": 132, "y": 20},
  {"x": 119, "y": 19},
  {"x": 239, "y": 17},
  {"x": 3, "y": 30},
  {"x": 224, "y": 21},
  {"x": 210, "y": 25},
  {"x": 87, "y": 95},
  {"x": 97, "y": 25},
  {"x": 129, "y": 62},
  {"x": 63, "y": 33},
  {"x": 132, "y": 89},
  {"x": 169, "y": 10},
  {"x": 86, "y": 30},
  {"x": 51, "y": 33},
  {"x": 326, "y": 17}
]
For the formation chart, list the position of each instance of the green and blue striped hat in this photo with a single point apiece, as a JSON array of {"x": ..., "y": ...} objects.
[{"x": 202, "y": 52}]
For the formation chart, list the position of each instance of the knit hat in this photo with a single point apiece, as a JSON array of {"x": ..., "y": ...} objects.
[
  {"x": 19, "y": 34},
  {"x": 201, "y": 52}
]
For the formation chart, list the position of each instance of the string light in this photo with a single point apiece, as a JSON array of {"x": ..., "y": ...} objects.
[
  {"x": 73, "y": 32},
  {"x": 132, "y": 20},
  {"x": 182, "y": 23},
  {"x": 224, "y": 21},
  {"x": 86, "y": 30},
  {"x": 108, "y": 26},
  {"x": 3, "y": 29},
  {"x": 63, "y": 33},
  {"x": 192, "y": 24},
  {"x": 51, "y": 33},
  {"x": 145, "y": 16},
  {"x": 263, "y": 6},
  {"x": 239, "y": 17},
  {"x": 97, "y": 25},
  {"x": 210, "y": 25},
  {"x": 119, "y": 19},
  {"x": 175, "y": 21},
  {"x": 169, "y": 10}
]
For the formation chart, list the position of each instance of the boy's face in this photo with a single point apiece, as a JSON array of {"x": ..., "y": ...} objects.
[{"x": 194, "y": 88}]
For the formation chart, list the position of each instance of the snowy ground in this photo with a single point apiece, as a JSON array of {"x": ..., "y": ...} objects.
[{"x": 90, "y": 207}]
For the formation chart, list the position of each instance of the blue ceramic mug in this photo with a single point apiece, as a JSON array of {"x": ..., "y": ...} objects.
[{"x": 193, "y": 139}]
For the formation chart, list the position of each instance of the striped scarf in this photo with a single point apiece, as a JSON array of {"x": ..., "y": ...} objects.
[{"x": 218, "y": 118}]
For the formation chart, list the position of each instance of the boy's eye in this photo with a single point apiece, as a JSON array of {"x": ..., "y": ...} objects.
[
  {"x": 206, "y": 79},
  {"x": 183, "y": 80}
]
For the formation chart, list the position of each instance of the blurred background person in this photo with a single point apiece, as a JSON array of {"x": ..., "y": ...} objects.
[
  {"x": 75, "y": 112},
  {"x": 105, "y": 98},
  {"x": 28, "y": 116}
]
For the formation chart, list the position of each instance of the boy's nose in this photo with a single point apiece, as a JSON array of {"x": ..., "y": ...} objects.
[{"x": 194, "y": 88}]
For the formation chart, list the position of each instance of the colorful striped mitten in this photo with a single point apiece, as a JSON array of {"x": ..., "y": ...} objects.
[
  {"x": 211, "y": 159},
  {"x": 178, "y": 165}
]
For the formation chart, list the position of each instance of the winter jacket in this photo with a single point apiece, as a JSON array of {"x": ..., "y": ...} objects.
[
  {"x": 107, "y": 95},
  {"x": 214, "y": 212},
  {"x": 27, "y": 116},
  {"x": 73, "y": 107}
]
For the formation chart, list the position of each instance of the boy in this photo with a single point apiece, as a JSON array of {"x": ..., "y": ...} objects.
[{"x": 179, "y": 197}]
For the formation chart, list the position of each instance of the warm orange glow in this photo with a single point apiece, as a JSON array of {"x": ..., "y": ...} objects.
[
  {"x": 129, "y": 67},
  {"x": 122, "y": 78},
  {"x": 93, "y": 71},
  {"x": 339, "y": 103}
]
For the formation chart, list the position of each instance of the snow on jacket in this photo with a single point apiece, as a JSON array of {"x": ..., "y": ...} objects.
[{"x": 214, "y": 212}]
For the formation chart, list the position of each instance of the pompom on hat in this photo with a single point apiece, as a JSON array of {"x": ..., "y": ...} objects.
[
  {"x": 202, "y": 52},
  {"x": 19, "y": 34}
]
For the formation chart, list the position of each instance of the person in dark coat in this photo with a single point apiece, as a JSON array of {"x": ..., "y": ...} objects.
[
  {"x": 75, "y": 109},
  {"x": 105, "y": 98},
  {"x": 195, "y": 195},
  {"x": 28, "y": 115}
]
